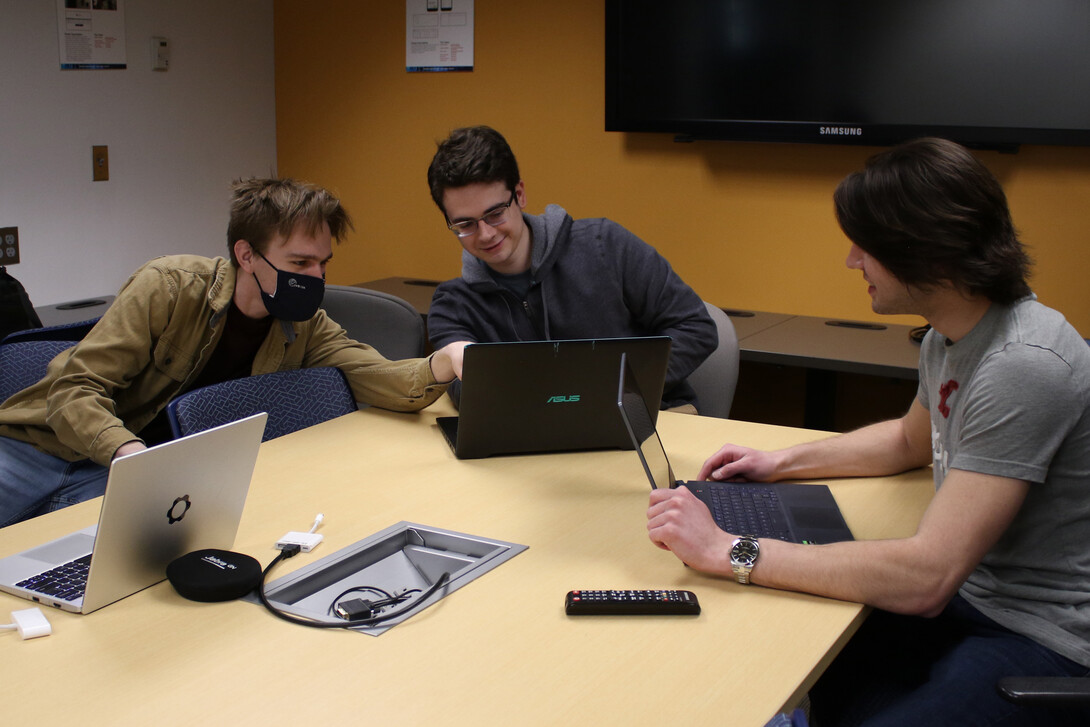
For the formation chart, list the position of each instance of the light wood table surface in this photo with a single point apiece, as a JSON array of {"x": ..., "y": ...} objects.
[{"x": 499, "y": 651}]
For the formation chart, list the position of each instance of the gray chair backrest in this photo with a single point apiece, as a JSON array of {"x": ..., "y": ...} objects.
[
  {"x": 294, "y": 400},
  {"x": 383, "y": 321},
  {"x": 715, "y": 380}
]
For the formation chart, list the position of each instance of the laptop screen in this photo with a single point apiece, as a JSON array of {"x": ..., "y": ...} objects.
[
  {"x": 641, "y": 427},
  {"x": 551, "y": 396}
]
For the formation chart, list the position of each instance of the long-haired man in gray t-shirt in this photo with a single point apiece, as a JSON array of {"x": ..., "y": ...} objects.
[{"x": 996, "y": 580}]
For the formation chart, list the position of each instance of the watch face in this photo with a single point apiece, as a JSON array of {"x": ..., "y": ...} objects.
[{"x": 745, "y": 552}]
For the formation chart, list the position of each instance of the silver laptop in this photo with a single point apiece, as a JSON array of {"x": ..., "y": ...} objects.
[
  {"x": 797, "y": 513},
  {"x": 160, "y": 503}
]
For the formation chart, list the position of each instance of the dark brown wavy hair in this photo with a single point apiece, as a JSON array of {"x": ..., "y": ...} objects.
[{"x": 929, "y": 211}]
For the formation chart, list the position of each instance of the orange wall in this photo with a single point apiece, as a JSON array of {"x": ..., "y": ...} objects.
[{"x": 747, "y": 225}]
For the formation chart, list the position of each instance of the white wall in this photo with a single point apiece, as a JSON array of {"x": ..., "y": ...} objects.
[{"x": 176, "y": 139}]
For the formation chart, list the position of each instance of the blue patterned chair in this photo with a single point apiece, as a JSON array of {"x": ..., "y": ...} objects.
[
  {"x": 62, "y": 332},
  {"x": 23, "y": 363},
  {"x": 293, "y": 399}
]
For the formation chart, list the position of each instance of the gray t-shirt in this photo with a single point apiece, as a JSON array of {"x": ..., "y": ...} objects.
[{"x": 1012, "y": 399}]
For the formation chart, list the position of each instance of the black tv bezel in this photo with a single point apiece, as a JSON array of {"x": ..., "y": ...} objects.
[{"x": 1001, "y": 138}]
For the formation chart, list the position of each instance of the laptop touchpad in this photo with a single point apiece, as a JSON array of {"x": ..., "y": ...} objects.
[
  {"x": 63, "y": 550},
  {"x": 816, "y": 517}
]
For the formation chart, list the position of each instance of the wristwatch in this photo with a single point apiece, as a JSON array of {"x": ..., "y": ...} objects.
[{"x": 743, "y": 556}]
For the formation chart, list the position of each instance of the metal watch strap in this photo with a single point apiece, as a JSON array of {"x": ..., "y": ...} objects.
[{"x": 742, "y": 568}]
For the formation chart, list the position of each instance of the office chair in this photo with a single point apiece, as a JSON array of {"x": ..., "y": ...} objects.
[
  {"x": 62, "y": 332},
  {"x": 23, "y": 363},
  {"x": 716, "y": 378},
  {"x": 294, "y": 400},
  {"x": 384, "y": 321}
]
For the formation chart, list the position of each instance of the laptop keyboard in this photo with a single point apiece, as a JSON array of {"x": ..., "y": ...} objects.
[
  {"x": 746, "y": 510},
  {"x": 66, "y": 582}
]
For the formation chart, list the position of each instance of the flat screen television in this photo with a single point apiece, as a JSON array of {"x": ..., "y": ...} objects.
[{"x": 985, "y": 73}]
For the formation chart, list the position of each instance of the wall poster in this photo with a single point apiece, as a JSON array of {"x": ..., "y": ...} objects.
[
  {"x": 438, "y": 35},
  {"x": 91, "y": 34}
]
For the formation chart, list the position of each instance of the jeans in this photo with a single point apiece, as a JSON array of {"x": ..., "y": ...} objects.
[
  {"x": 908, "y": 670},
  {"x": 34, "y": 483}
]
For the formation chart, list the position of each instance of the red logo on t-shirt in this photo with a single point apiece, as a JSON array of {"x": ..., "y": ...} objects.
[{"x": 946, "y": 390}]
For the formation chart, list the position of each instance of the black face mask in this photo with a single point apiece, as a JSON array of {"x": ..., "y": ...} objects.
[{"x": 297, "y": 297}]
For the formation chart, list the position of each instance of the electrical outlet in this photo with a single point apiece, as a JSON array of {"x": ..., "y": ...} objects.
[
  {"x": 100, "y": 161},
  {"x": 9, "y": 245}
]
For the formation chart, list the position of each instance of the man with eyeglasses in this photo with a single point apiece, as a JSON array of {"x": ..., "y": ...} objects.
[{"x": 548, "y": 277}]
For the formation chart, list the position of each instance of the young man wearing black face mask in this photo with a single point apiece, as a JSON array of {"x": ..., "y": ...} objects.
[{"x": 182, "y": 322}]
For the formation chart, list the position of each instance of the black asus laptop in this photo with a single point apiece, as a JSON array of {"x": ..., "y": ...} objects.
[
  {"x": 550, "y": 396},
  {"x": 791, "y": 512}
]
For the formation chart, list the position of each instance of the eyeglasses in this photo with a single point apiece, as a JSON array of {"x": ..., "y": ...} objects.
[{"x": 493, "y": 217}]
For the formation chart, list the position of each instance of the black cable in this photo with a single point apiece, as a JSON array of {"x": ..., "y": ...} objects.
[
  {"x": 290, "y": 552},
  {"x": 385, "y": 594},
  {"x": 353, "y": 589},
  {"x": 388, "y": 600}
]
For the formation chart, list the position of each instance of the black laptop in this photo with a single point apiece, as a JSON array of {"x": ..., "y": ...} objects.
[
  {"x": 549, "y": 396},
  {"x": 792, "y": 512}
]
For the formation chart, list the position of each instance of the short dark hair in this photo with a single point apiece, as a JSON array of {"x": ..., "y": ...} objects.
[
  {"x": 929, "y": 211},
  {"x": 471, "y": 155},
  {"x": 263, "y": 208}
]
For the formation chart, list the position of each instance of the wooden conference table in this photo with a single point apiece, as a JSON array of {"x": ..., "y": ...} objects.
[{"x": 498, "y": 651}]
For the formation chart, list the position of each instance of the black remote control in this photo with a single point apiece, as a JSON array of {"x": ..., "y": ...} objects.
[{"x": 631, "y": 603}]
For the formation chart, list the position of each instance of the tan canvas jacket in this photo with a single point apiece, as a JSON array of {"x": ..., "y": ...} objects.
[{"x": 157, "y": 336}]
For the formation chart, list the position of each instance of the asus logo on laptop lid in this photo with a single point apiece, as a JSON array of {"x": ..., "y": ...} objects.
[{"x": 549, "y": 396}]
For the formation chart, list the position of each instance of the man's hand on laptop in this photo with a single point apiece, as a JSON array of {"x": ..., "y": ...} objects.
[
  {"x": 447, "y": 361},
  {"x": 129, "y": 447},
  {"x": 739, "y": 464},
  {"x": 677, "y": 521}
]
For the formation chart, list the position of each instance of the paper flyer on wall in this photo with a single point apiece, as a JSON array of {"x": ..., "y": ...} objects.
[
  {"x": 438, "y": 35},
  {"x": 91, "y": 34}
]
